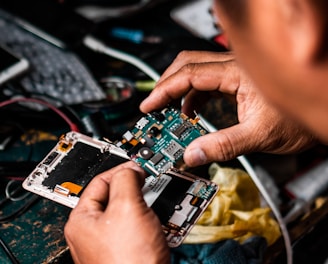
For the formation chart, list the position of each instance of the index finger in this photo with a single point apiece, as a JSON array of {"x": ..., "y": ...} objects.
[
  {"x": 210, "y": 76},
  {"x": 188, "y": 57}
]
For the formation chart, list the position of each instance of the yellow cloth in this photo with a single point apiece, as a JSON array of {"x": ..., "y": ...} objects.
[{"x": 235, "y": 212}]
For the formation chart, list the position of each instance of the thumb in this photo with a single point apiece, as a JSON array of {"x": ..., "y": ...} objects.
[
  {"x": 126, "y": 184},
  {"x": 222, "y": 145}
]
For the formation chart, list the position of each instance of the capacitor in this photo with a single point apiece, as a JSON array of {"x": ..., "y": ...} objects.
[{"x": 145, "y": 153}]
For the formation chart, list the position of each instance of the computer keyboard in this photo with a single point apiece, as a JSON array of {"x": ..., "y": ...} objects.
[{"x": 55, "y": 72}]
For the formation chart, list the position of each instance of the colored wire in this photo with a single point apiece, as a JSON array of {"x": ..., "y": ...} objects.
[
  {"x": 15, "y": 178},
  {"x": 61, "y": 102},
  {"x": 8, "y": 252},
  {"x": 98, "y": 46},
  {"x": 145, "y": 86},
  {"x": 13, "y": 86},
  {"x": 72, "y": 126}
]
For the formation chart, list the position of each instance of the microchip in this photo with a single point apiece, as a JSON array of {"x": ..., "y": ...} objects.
[
  {"x": 180, "y": 129},
  {"x": 149, "y": 142},
  {"x": 156, "y": 158}
]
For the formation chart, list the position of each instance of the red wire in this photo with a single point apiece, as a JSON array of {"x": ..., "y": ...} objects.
[{"x": 72, "y": 125}]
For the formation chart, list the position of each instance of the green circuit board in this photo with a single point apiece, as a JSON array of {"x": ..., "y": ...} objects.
[{"x": 158, "y": 140}]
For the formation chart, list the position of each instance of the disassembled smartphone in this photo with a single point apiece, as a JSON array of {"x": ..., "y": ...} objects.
[{"x": 156, "y": 143}]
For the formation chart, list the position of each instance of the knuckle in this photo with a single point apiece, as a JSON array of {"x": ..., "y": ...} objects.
[
  {"x": 189, "y": 69},
  {"x": 224, "y": 149},
  {"x": 183, "y": 55}
]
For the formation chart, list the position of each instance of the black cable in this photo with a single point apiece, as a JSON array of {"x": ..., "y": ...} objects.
[
  {"x": 4, "y": 200},
  {"x": 58, "y": 100},
  {"x": 20, "y": 210},
  {"x": 8, "y": 252}
]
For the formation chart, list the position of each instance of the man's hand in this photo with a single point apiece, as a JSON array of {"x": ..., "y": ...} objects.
[
  {"x": 112, "y": 223},
  {"x": 197, "y": 76}
]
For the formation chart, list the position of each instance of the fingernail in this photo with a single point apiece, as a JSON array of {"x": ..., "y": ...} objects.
[
  {"x": 143, "y": 103},
  {"x": 195, "y": 157}
]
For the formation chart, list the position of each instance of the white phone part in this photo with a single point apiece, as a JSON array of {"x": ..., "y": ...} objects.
[
  {"x": 11, "y": 65},
  {"x": 68, "y": 168}
]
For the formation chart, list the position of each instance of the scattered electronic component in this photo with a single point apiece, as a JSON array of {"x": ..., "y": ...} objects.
[{"x": 158, "y": 140}]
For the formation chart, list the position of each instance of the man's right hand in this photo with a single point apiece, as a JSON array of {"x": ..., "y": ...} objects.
[{"x": 197, "y": 76}]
